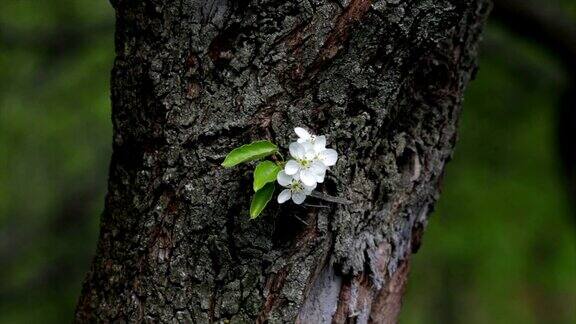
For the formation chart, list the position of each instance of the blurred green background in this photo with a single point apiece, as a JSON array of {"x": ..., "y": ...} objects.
[{"x": 500, "y": 248}]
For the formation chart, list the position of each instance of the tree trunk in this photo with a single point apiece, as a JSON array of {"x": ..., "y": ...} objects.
[{"x": 193, "y": 79}]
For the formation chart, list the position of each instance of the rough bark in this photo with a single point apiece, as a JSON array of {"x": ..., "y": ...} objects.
[{"x": 193, "y": 79}]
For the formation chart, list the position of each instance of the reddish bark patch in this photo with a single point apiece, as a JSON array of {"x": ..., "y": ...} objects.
[
  {"x": 387, "y": 303},
  {"x": 194, "y": 90},
  {"x": 339, "y": 34},
  {"x": 362, "y": 300},
  {"x": 343, "y": 310},
  {"x": 221, "y": 48},
  {"x": 273, "y": 286}
]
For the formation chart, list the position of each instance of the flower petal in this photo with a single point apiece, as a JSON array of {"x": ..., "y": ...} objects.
[
  {"x": 297, "y": 176},
  {"x": 297, "y": 150},
  {"x": 308, "y": 189},
  {"x": 317, "y": 167},
  {"x": 308, "y": 178},
  {"x": 302, "y": 133},
  {"x": 284, "y": 196},
  {"x": 292, "y": 167},
  {"x": 308, "y": 147},
  {"x": 329, "y": 157},
  {"x": 320, "y": 143},
  {"x": 284, "y": 179},
  {"x": 298, "y": 197},
  {"x": 310, "y": 155},
  {"x": 320, "y": 177}
]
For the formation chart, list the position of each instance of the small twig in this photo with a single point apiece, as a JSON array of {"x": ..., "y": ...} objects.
[
  {"x": 318, "y": 206},
  {"x": 325, "y": 197},
  {"x": 300, "y": 219}
]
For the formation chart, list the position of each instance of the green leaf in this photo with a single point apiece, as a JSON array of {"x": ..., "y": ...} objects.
[
  {"x": 261, "y": 199},
  {"x": 264, "y": 173},
  {"x": 249, "y": 152}
]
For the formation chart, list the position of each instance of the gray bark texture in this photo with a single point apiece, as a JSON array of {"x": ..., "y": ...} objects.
[{"x": 194, "y": 79}]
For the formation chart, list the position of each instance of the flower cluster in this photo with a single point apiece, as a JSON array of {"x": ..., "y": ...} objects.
[{"x": 307, "y": 168}]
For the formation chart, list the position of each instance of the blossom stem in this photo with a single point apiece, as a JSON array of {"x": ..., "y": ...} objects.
[
  {"x": 300, "y": 219},
  {"x": 280, "y": 155},
  {"x": 317, "y": 206},
  {"x": 323, "y": 196}
]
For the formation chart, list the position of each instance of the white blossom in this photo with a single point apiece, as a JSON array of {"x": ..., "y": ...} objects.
[
  {"x": 327, "y": 156},
  {"x": 295, "y": 189},
  {"x": 317, "y": 142},
  {"x": 305, "y": 165},
  {"x": 307, "y": 168}
]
